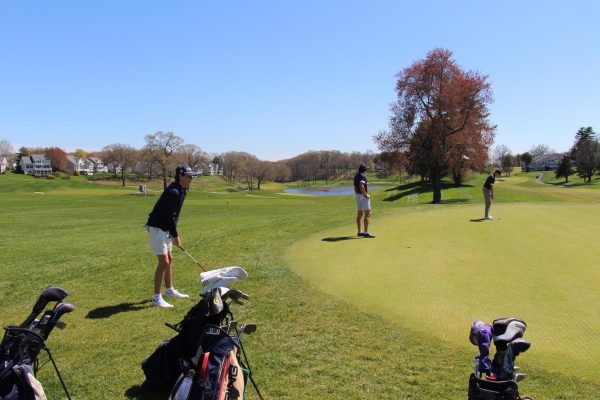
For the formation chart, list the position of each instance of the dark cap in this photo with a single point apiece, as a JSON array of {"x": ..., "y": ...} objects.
[
  {"x": 184, "y": 169},
  {"x": 362, "y": 168},
  {"x": 498, "y": 172}
]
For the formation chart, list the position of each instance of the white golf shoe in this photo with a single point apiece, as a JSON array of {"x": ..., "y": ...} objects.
[
  {"x": 177, "y": 294},
  {"x": 161, "y": 303}
]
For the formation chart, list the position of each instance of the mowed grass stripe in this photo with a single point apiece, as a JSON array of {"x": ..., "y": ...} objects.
[{"x": 435, "y": 270}]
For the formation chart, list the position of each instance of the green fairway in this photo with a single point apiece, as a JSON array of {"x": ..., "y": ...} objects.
[
  {"x": 437, "y": 269},
  {"x": 314, "y": 340}
]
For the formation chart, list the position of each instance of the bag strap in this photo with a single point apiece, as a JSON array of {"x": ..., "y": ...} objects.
[
  {"x": 184, "y": 386},
  {"x": 204, "y": 366}
]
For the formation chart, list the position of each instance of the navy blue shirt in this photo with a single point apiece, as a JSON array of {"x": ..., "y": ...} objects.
[
  {"x": 489, "y": 181},
  {"x": 357, "y": 178},
  {"x": 165, "y": 213}
]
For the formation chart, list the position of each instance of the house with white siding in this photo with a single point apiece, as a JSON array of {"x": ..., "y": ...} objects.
[
  {"x": 546, "y": 162},
  {"x": 36, "y": 164},
  {"x": 3, "y": 165},
  {"x": 98, "y": 164},
  {"x": 79, "y": 165},
  {"x": 213, "y": 169}
]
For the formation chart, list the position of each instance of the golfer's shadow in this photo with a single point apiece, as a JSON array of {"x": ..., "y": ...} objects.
[
  {"x": 339, "y": 238},
  {"x": 109, "y": 311},
  {"x": 477, "y": 220},
  {"x": 138, "y": 392}
]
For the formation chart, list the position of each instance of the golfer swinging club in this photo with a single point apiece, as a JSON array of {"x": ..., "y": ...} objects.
[
  {"x": 488, "y": 192},
  {"x": 162, "y": 227},
  {"x": 363, "y": 202}
]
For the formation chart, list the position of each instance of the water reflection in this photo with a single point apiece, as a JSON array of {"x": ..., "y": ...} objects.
[{"x": 332, "y": 191}]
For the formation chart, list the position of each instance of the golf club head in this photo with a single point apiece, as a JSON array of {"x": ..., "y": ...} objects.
[
  {"x": 60, "y": 310},
  {"x": 519, "y": 346},
  {"x": 52, "y": 293},
  {"x": 211, "y": 303},
  {"x": 506, "y": 330},
  {"x": 235, "y": 295},
  {"x": 231, "y": 325},
  {"x": 60, "y": 324},
  {"x": 519, "y": 377},
  {"x": 247, "y": 329},
  {"x": 51, "y": 317}
]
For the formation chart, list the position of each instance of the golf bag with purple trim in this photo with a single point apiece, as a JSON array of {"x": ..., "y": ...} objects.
[{"x": 497, "y": 379}]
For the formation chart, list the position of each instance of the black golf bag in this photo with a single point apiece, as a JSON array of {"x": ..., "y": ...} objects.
[
  {"x": 203, "y": 360},
  {"x": 483, "y": 389},
  {"x": 21, "y": 345},
  {"x": 497, "y": 380},
  {"x": 165, "y": 364}
]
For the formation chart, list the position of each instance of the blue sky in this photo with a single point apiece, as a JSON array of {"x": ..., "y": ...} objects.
[{"x": 277, "y": 78}]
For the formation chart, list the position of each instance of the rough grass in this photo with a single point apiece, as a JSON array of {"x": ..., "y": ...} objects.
[{"x": 310, "y": 344}]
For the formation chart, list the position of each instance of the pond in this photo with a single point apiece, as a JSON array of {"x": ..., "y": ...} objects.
[{"x": 332, "y": 191}]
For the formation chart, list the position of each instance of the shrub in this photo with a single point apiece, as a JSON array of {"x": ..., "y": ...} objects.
[
  {"x": 66, "y": 177},
  {"x": 76, "y": 173},
  {"x": 50, "y": 177}
]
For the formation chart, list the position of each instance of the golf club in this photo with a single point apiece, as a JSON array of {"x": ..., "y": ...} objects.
[
  {"x": 231, "y": 325},
  {"x": 496, "y": 207},
  {"x": 51, "y": 317},
  {"x": 248, "y": 329},
  {"x": 236, "y": 296},
  {"x": 198, "y": 263},
  {"x": 52, "y": 293}
]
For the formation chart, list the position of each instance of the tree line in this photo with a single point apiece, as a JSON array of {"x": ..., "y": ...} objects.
[{"x": 164, "y": 150}]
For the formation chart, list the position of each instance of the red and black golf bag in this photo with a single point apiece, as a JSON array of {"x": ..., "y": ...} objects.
[{"x": 203, "y": 360}]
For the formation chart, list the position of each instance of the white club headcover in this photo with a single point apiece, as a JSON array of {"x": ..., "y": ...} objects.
[{"x": 223, "y": 277}]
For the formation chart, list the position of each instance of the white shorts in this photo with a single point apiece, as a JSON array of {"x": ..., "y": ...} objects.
[
  {"x": 160, "y": 241},
  {"x": 363, "y": 203}
]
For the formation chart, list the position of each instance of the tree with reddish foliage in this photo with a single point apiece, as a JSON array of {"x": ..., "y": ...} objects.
[
  {"x": 391, "y": 161},
  {"x": 440, "y": 120},
  {"x": 58, "y": 158}
]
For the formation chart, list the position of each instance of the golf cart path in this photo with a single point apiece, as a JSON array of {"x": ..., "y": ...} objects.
[{"x": 539, "y": 180}]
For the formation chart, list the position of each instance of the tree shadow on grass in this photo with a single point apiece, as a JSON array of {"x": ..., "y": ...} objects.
[
  {"x": 109, "y": 311},
  {"x": 138, "y": 392},
  {"x": 420, "y": 187},
  {"x": 339, "y": 238}
]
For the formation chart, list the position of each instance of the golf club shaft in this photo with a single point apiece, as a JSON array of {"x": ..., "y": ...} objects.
[{"x": 198, "y": 263}]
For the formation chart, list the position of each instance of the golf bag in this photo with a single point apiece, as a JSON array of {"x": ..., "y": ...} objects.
[
  {"x": 164, "y": 366},
  {"x": 21, "y": 345},
  {"x": 215, "y": 375},
  {"x": 203, "y": 360},
  {"x": 496, "y": 379}
]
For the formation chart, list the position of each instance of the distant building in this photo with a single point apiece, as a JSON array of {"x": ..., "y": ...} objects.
[
  {"x": 546, "y": 162},
  {"x": 79, "y": 165},
  {"x": 3, "y": 165},
  {"x": 213, "y": 169},
  {"x": 98, "y": 164},
  {"x": 35, "y": 164}
]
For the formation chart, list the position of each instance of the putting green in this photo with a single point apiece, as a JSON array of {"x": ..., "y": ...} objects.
[{"x": 436, "y": 269}]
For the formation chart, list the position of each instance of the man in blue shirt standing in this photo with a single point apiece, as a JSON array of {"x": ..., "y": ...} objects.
[
  {"x": 162, "y": 227},
  {"x": 363, "y": 202},
  {"x": 488, "y": 192}
]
